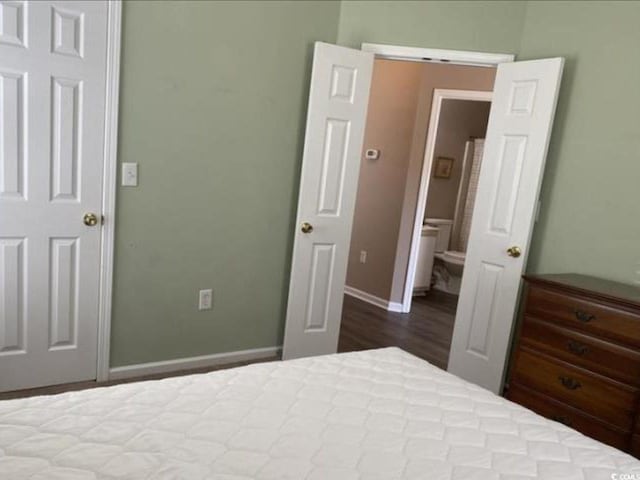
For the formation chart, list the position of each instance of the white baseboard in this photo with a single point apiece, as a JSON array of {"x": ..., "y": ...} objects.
[
  {"x": 395, "y": 307},
  {"x": 178, "y": 364},
  {"x": 372, "y": 299}
]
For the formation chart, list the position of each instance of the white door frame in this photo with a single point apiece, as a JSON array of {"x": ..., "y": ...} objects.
[
  {"x": 439, "y": 95},
  {"x": 109, "y": 183},
  {"x": 437, "y": 55}
]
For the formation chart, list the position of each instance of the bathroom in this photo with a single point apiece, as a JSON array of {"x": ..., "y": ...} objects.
[{"x": 457, "y": 147}]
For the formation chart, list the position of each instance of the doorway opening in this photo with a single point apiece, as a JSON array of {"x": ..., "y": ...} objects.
[
  {"x": 416, "y": 191},
  {"x": 517, "y": 137}
]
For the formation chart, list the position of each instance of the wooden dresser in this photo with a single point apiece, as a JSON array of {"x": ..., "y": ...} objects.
[{"x": 577, "y": 356}]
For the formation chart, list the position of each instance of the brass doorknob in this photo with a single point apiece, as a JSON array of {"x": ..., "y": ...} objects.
[
  {"x": 306, "y": 227},
  {"x": 90, "y": 219},
  {"x": 514, "y": 251}
]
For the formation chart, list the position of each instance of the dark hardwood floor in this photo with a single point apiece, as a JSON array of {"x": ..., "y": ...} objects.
[
  {"x": 425, "y": 331},
  {"x": 72, "y": 387}
]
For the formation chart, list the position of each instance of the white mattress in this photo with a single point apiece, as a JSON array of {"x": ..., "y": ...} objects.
[{"x": 379, "y": 414}]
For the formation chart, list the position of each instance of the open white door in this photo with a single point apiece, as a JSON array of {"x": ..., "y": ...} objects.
[
  {"x": 524, "y": 102},
  {"x": 338, "y": 101}
]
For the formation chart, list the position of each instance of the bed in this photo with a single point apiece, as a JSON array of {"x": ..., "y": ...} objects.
[{"x": 377, "y": 414}]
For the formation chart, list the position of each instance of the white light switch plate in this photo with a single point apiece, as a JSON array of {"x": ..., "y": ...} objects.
[
  {"x": 205, "y": 299},
  {"x": 129, "y": 174}
]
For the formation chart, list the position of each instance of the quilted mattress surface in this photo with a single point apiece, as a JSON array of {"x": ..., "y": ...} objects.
[{"x": 378, "y": 414}]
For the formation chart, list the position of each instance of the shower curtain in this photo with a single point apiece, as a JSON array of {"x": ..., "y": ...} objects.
[{"x": 467, "y": 213}]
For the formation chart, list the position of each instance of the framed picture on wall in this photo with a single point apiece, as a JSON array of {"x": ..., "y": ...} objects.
[{"x": 443, "y": 167}]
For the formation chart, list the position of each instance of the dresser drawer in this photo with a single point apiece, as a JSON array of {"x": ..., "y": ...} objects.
[
  {"x": 558, "y": 411},
  {"x": 583, "y": 350},
  {"x": 606, "y": 399},
  {"x": 584, "y": 315}
]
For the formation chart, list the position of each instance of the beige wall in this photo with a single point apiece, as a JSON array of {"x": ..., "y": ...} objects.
[
  {"x": 434, "y": 76},
  {"x": 459, "y": 120},
  {"x": 393, "y": 101},
  {"x": 397, "y": 123}
]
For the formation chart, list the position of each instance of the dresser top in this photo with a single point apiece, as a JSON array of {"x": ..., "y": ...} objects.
[{"x": 590, "y": 286}]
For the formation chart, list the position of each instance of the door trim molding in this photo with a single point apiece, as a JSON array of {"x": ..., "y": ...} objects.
[
  {"x": 109, "y": 185},
  {"x": 439, "y": 94},
  {"x": 438, "y": 55},
  {"x": 188, "y": 363},
  {"x": 372, "y": 299}
]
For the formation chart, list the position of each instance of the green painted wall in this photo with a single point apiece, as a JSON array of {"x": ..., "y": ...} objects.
[
  {"x": 213, "y": 101},
  {"x": 494, "y": 26},
  {"x": 589, "y": 216},
  {"x": 213, "y": 109},
  {"x": 589, "y": 221}
]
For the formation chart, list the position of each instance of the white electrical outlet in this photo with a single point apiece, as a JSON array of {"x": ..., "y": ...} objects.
[
  {"x": 205, "y": 299},
  {"x": 363, "y": 256}
]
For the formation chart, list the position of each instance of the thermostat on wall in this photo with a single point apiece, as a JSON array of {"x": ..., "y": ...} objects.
[{"x": 372, "y": 154}]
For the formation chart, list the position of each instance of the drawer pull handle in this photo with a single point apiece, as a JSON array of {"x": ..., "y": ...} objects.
[
  {"x": 583, "y": 317},
  {"x": 570, "y": 383},
  {"x": 562, "y": 419},
  {"x": 577, "y": 347}
]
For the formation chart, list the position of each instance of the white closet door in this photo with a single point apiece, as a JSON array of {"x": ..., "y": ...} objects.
[
  {"x": 338, "y": 102},
  {"x": 52, "y": 107},
  {"x": 524, "y": 102}
]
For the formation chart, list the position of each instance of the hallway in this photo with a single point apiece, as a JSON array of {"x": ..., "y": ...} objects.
[{"x": 425, "y": 332}]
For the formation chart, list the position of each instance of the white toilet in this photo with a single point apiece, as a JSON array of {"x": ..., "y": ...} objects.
[
  {"x": 451, "y": 260},
  {"x": 454, "y": 262}
]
